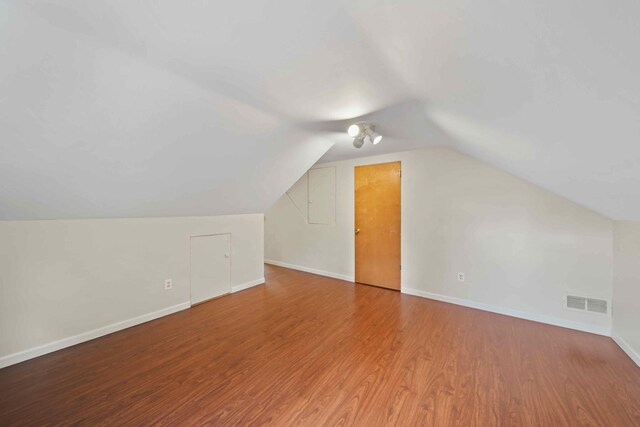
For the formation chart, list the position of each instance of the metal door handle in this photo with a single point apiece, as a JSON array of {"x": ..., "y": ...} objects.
[{"x": 357, "y": 230}]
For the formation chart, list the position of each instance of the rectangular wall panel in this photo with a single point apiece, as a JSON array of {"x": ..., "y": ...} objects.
[
  {"x": 322, "y": 196},
  {"x": 210, "y": 267}
]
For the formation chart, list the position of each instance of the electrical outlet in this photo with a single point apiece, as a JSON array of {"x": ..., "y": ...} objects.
[
  {"x": 461, "y": 277},
  {"x": 168, "y": 284}
]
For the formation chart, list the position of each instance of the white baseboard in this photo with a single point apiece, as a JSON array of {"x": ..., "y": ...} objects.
[
  {"x": 627, "y": 349},
  {"x": 247, "y": 285},
  {"x": 21, "y": 356},
  {"x": 311, "y": 270},
  {"x": 510, "y": 312}
]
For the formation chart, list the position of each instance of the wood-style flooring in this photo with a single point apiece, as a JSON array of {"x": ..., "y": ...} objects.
[{"x": 313, "y": 351}]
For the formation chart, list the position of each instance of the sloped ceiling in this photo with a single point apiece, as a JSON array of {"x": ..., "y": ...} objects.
[{"x": 139, "y": 108}]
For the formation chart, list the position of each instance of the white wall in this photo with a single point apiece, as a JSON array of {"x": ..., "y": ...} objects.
[
  {"x": 521, "y": 247},
  {"x": 626, "y": 287},
  {"x": 63, "y": 278}
]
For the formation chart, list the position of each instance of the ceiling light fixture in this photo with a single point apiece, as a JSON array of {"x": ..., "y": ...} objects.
[{"x": 358, "y": 131}]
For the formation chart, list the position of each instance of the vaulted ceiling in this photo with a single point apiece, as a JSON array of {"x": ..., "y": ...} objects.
[{"x": 137, "y": 108}]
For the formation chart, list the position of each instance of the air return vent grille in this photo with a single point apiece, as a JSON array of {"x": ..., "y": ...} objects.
[
  {"x": 597, "y": 305},
  {"x": 586, "y": 304},
  {"x": 577, "y": 303}
]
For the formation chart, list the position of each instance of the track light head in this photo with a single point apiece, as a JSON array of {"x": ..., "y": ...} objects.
[
  {"x": 358, "y": 141},
  {"x": 374, "y": 136}
]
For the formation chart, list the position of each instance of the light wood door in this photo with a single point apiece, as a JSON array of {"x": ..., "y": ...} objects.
[
  {"x": 377, "y": 224},
  {"x": 210, "y": 267}
]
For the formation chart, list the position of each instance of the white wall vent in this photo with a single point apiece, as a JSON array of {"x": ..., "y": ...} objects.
[
  {"x": 593, "y": 305},
  {"x": 577, "y": 303},
  {"x": 597, "y": 305}
]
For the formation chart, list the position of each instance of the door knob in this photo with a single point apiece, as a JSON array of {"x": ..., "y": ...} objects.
[
  {"x": 357, "y": 230},
  {"x": 226, "y": 255}
]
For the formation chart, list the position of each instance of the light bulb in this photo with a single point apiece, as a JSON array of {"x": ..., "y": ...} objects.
[{"x": 353, "y": 131}]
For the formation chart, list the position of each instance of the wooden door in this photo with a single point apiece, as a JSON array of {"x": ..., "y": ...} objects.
[
  {"x": 210, "y": 267},
  {"x": 377, "y": 224}
]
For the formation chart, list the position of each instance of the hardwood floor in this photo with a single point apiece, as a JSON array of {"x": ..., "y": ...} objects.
[{"x": 310, "y": 350}]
